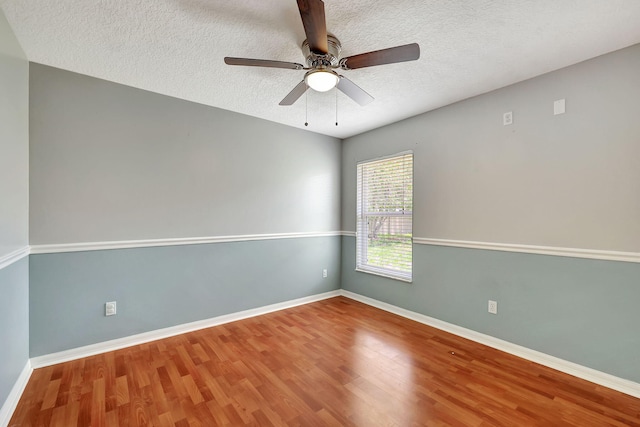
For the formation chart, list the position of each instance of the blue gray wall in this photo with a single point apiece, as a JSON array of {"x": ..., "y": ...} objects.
[
  {"x": 581, "y": 310},
  {"x": 166, "y": 286},
  {"x": 113, "y": 163},
  {"x": 14, "y": 206},
  {"x": 564, "y": 181},
  {"x": 14, "y": 324}
]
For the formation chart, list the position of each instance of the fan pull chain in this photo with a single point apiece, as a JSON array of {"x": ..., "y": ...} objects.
[
  {"x": 336, "y": 91},
  {"x": 306, "y": 108}
]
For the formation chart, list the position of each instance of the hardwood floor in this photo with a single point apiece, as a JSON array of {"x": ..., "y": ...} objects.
[{"x": 336, "y": 362}]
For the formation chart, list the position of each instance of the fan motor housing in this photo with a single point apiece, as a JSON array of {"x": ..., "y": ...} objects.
[{"x": 332, "y": 57}]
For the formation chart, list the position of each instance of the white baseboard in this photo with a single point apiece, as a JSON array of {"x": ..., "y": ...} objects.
[
  {"x": 607, "y": 380},
  {"x": 12, "y": 400},
  {"x": 625, "y": 386},
  {"x": 93, "y": 349}
]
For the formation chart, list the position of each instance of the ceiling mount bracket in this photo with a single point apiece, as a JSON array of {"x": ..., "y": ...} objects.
[{"x": 329, "y": 59}]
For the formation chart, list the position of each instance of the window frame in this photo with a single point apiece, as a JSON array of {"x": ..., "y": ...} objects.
[{"x": 362, "y": 239}]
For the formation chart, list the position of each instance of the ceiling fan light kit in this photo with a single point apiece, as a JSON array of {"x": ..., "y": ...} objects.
[
  {"x": 321, "y": 80},
  {"x": 322, "y": 53}
]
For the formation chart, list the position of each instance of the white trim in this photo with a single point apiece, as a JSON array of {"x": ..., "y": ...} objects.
[
  {"x": 504, "y": 247},
  {"x": 382, "y": 273},
  {"x": 531, "y": 249},
  {"x": 528, "y": 249},
  {"x": 93, "y": 349},
  {"x": 9, "y": 406},
  {"x": 607, "y": 380},
  {"x": 10, "y": 258},
  {"x": 126, "y": 244}
]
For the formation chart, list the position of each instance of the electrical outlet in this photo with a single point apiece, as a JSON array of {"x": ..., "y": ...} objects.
[
  {"x": 110, "y": 308},
  {"x": 507, "y": 118},
  {"x": 493, "y": 307},
  {"x": 324, "y": 273}
]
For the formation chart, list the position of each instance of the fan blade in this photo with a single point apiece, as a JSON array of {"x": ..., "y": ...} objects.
[
  {"x": 408, "y": 52},
  {"x": 296, "y": 93},
  {"x": 315, "y": 26},
  {"x": 354, "y": 91},
  {"x": 262, "y": 63}
]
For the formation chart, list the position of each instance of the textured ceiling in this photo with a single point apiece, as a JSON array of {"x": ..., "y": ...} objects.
[{"x": 176, "y": 47}]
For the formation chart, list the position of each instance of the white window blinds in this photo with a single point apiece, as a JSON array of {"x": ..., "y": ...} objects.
[{"x": 385, "y": 221}]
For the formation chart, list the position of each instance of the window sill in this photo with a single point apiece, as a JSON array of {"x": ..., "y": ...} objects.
[{"x": 388, "y": 276}]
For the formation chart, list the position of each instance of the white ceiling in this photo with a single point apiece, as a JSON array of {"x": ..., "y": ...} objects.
[{"x": 176, "y": 47}]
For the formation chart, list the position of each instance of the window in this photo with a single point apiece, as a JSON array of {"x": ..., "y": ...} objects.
[{"x": 385, "y": 221}]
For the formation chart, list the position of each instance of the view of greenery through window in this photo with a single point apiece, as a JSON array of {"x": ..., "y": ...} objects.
[
  {"x": 391, "y": 251},
  {"x": 385, "y": 205}
]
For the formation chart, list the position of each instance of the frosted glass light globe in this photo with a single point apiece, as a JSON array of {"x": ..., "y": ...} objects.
[{"x": 321, "y": 80}]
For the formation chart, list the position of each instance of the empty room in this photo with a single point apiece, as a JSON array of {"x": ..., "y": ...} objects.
[{"x": 319, "y": 213}]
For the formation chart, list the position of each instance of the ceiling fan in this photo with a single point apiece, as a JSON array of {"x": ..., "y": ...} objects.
[{"x": 322, "y": 53}]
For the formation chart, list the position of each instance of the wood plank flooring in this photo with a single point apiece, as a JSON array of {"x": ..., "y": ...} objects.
[{"x": 336, "y": 362}]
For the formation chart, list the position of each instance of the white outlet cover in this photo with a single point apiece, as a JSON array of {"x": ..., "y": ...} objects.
[
  {"x": 110, "y": 308},
  {"x": 558, "y": 107},
  {"x": 493, "y": 307},
  {"x": 324, "y": 273},
  {"x": 507, "y": 118}
]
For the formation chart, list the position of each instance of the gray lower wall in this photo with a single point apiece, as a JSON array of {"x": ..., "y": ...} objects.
[
  {"x": 580, "y": 310},
  {"x": 14, "y": 324},
  {"x": 166, "y": 286}
]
